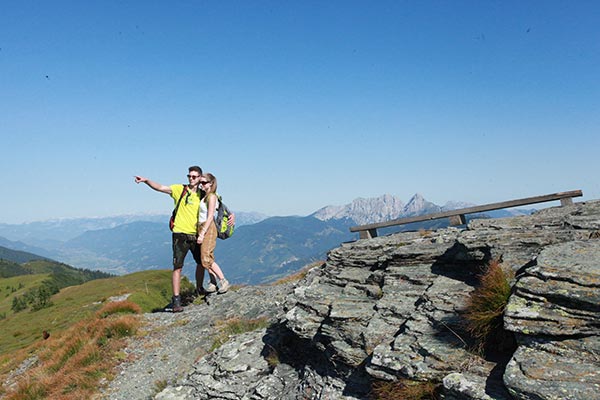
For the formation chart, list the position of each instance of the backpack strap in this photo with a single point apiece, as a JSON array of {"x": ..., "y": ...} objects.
[{"x": 183, "y": 192}]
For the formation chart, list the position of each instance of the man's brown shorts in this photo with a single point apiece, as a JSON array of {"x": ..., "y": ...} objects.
[{"x": 182, "y": 243}]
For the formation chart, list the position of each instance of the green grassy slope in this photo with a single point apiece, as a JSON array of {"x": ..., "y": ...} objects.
[
  {"x": 149, "y": 289},
  {"x": 10, "y": 268},
  {"x": 16, "y": 286}
]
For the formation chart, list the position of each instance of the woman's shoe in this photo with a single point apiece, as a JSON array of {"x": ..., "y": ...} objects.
[
  {"x": 224, "y": 286},
  {"x": 211, "y": 288}
]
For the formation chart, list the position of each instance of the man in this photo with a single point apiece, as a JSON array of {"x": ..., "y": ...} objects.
[{"x": 184, "y": 229}]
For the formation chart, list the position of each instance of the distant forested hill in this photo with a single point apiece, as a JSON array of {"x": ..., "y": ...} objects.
[
  {"x": 18, "y": 256},
  {"x": 17, "y": 263}
]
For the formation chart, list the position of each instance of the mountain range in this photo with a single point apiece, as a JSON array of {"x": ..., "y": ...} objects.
[
  {"x": 261, "y": 250},
  {"x": 366, "y": 211}
]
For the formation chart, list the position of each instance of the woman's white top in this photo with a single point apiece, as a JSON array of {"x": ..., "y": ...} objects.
[{"x": 203, "y": 211}]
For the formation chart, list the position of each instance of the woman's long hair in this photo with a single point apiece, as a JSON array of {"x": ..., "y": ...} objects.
[{"x": 213, "y": 187}]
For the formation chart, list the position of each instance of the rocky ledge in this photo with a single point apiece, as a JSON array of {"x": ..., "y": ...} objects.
[{"x": 389, "y": 308}]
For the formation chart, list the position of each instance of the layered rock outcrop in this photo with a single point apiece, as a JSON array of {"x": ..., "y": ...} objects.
[
  {"x": 390, "y": 308},
  {"x": 555, "y": 309}
]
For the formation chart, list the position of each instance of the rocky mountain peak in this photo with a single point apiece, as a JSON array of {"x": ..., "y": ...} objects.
[
  {"x": 418, "y": 205},
  {"x": 383, "y": 208},
  {"x": 455, "y": 205},
  {"x": 364, "y": 210},
  {"x": 416, "y": 202}
]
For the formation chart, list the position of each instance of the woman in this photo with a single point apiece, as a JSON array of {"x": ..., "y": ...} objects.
[{"x": 207, "y": 232}]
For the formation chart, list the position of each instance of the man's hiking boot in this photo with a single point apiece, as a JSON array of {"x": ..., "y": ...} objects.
[
  {"x": 224, "y": 286},
  {"x": 176, "y": 302},
  {"x": 211, "y": 288}
]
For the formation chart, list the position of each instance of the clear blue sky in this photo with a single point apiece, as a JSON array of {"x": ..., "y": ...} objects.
[{"x": 295, "y": 105}]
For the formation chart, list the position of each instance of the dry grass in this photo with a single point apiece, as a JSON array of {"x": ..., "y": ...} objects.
[
  {"x": 119, "y": 307},
  {"x": 487, "y": 303},
  {"x": 425, "y": 233},
  {"x": 404, "y": 389},
  {"x": 160, "y": 385},
  {"x": 71, "y": 364}
]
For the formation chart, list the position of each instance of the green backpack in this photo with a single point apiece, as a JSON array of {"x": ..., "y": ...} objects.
[{"x": 224, "y": 230}]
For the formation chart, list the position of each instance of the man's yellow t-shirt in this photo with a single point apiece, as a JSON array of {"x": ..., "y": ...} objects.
[{"x": 186, "y": 220}]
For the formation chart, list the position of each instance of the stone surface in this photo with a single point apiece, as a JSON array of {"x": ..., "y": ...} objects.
[
  {"x": 560, "y": 294},
  {"x": 462, "y": 386},
  {"x": 543, "y": 368},
  {"x": 555, "y": 308}
]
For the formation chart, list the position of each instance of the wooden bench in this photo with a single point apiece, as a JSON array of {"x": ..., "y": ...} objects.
[{"x": 457, "y": 217}]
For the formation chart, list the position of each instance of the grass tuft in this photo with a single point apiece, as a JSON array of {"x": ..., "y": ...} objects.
[
  {"x": 31, "y": 389},
  {"x": 119, "y": 307},
  {"x": 425, "y": 233},
  {"x": 404, "y": 389},
  {"x": 486, "y": 305},
  {"x": 160, "y": 385},
  {"x": 121, "y": 327},
  {"x": 272, "y": 356}
]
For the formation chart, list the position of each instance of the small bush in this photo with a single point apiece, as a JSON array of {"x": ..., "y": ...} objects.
[{"x": 486, "y": 305}]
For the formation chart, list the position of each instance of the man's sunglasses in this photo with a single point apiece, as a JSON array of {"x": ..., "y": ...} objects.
[{"x": 193, "y": 176}]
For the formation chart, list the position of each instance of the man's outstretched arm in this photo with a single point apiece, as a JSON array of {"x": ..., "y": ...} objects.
[{"x": 154, "y": 185}]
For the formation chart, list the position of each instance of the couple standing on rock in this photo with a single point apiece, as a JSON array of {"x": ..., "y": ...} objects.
[{"x": 194, "y": 230}]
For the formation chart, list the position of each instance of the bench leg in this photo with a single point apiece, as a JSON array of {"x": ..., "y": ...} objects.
[
  {"x": 566, "y": 201},
  {"x": 368, "y": 234},
  {"x": 457, "y": 220}
]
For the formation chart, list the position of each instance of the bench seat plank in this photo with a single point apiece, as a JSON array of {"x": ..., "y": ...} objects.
[{"x": 458, "y": 216}]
